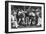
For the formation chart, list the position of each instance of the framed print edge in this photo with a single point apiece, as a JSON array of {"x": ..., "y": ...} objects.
[{"x": 6, "y": 16}]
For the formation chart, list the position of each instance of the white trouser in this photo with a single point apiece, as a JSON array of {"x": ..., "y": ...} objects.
[
  {"x": 39, "y": 21},
  {"x": 15, "y": 24}
]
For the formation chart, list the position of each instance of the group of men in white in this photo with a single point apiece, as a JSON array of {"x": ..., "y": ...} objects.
[{"x": 15, "y": 22}]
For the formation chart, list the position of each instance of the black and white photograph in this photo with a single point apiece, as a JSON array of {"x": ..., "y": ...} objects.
[{"x": 24, "y": 16}]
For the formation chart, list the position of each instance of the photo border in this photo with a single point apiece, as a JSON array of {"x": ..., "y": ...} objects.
[{"x": 6, "y": 16}]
